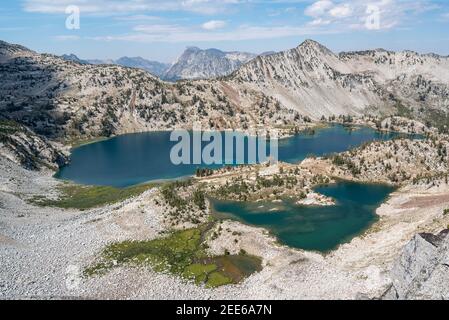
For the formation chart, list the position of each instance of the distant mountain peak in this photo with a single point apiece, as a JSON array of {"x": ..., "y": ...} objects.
[
  {"x": 310, "y": 42},
  {"x": 70, "y": 56},
  {"x": 74, "y": 58},
  {"x": 316, "y": 46},
  {"x": 153, "y": 67},
  {"x": 196, "y": 63},
  {"x": 130, "y": 58}
]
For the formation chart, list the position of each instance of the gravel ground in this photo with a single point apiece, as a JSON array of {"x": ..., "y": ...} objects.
[{"x": 43, "y": 251}]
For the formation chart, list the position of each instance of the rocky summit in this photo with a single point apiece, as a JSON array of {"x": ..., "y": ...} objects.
[
  {"x": 316, "y": 81},
  {"x": 195, "y": 63}
]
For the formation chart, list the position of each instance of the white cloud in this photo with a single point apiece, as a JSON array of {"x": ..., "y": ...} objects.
[
  {"x": 320, "y": 22},
  {"x": 214, "y": 25},
  {"x": 350, "y": 15},
  {"x": 159, "y": 28},
  {"x": 124, "y": 6},
  {"x": 326, "y": 17},
  {"x": 137, "y": 17},
  {"x": 319, "y": 8},
  {"x": 341, "y": 11},
  {"x": 67, "y": 38},
  {"x": 150, "y": 34}
]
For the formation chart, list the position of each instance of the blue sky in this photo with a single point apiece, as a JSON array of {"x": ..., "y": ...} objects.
[{"x": 161, "y": 29}]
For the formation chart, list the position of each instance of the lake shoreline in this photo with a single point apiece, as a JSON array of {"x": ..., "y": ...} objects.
[
  {"x": 356, "y": 269},
  {"x": 247, "y": 213},
  {"x": 109, "y": 162},
  {"x": 34, "y": 239}
]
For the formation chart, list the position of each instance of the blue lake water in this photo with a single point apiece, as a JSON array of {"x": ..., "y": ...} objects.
[
  {"x": 312, "y": 227},
  {"x": 137, "y": 158}
]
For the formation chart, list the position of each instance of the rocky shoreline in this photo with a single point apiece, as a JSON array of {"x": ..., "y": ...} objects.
[{"x": 44, "y": 250}]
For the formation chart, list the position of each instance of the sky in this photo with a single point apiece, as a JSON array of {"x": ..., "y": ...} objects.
[{"x": 161, "y": 29}]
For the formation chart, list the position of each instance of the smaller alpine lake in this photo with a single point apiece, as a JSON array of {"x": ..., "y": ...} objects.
[{"x": 313, "y": 227}]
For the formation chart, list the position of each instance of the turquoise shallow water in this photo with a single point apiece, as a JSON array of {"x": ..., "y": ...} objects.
[
  {"x": 137, "y": 158},
  {"x": 313, "y": 228}
]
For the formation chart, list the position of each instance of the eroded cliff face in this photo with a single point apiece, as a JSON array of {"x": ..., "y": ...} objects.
[
  {"x": 314, "y": 80},
  {"x": 33, "y": 152},
  {"x": 422, "y": 270}
]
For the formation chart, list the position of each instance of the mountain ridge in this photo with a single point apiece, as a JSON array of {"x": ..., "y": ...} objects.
[
  {"x": 154, "y": 67},
  {"x": 312, "y": 78},
  {"x": 59, "y": 98},
  {"x": 65, "y": 100},
  {"x": 210, "y": 63}
]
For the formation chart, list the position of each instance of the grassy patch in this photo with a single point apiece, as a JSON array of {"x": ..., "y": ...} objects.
[
  {"x": 87, "y": 197},
  {"x": 181, "y": 253},
  {"x": 238, "y": 267},
  {"x": 199, "y": 272},
  {"x": 79, "y": 142},
  {"x": 173, "y": 253},
  {"x": 217, "y": 279}
]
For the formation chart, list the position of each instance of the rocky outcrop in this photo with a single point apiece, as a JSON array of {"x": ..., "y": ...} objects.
[
  {"x": 33, "y": 152},
  {"x": 397, "y": 162},
  {"x": 422, "y": 271}
]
